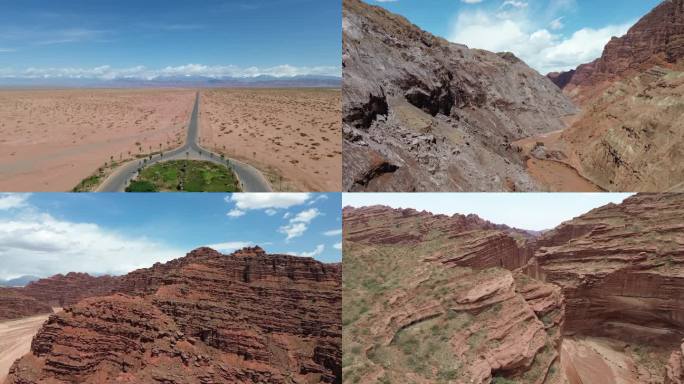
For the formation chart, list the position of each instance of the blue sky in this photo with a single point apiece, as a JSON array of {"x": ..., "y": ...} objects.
[
  {"x": 531, "y": 211},
  {"x": 47, "y": 233},
  {"x": 118, "y": 38},
  {"x": 548, "y": 34}
]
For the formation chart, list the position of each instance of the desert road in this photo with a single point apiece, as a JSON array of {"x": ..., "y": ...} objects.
[
  {"x": 250, "y": 178},
  {"x": 15, "y": 340}
]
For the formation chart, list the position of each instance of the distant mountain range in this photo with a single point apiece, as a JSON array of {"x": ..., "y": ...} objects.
[
  {"x": 21, "y": 281},
  {"x": 312, "y": 81}
]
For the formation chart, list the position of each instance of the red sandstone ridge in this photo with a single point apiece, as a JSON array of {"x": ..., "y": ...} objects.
[
  {"x": 621, "y": 268},
  {"x": 468, "y": 240},
  {"x": 42, "y": 295},
  {"x": 656, "y": 40},
  {"x": 629, "y": 134},
  {"x": 14, "y": 304},
  {"x": 422, "y": 304},
  {"x": 205, "y": 318},
  {"x": 607, "y": 286},
  {"x": 62, "y": 290}
]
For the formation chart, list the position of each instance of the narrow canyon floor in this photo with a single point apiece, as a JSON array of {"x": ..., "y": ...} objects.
[
  {"x": 552, "y": 164},
  {"x": 15, "y": 339}
]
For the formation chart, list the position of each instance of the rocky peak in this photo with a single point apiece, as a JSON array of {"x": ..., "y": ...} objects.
[
  {"x": 250, "y": 251},
  {"x": 657, "y": 39},
  {"x": 203, "y": 252}
]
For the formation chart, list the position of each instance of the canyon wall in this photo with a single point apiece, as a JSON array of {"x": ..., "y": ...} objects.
[
  {"x": 205, "y": 318},
  {"x": 421, "y": 303},
  {"x": 630, "y": 134},
  {"x": 620, "y": 268},
  {"x": 423, "y": 114},
  {"x": 614, "y": 273},
  {"x": 62, "y": 290},
  {"x": 14, "y": 305},
  {"x": 657, "y": 39}
]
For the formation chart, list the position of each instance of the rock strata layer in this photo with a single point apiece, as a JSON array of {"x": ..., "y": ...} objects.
[
  {"x": 620, "y": 267},
  {"x": 630, "y": 134},
  {"x": 62, "y": 290},
  {"x": 609, "y": 280},
  {"x": 14, "y": 305},
  {"x": 422, "y": 303},
  {"x": 247, "y": 317},
  {"x": 656, "y": 40}
]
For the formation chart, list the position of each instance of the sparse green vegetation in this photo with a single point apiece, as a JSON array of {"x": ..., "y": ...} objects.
[
  {"x": 189, "y": 176},
  {"x": 502, "y": 380},
  {"x": 141, "y": 186},
  {"x": 89, "y": 183}
]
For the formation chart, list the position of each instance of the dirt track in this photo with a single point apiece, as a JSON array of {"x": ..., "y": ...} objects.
[{"x": 15, "y": 340}]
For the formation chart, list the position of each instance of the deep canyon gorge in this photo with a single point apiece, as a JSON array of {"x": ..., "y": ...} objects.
[{"x": 434, "y": 298}]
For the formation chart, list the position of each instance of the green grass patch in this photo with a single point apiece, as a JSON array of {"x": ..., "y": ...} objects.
[
  {"x": 189, "y": 176},
  {"x": 88, "y": 184},
  {"x": 141, "y": 186}
]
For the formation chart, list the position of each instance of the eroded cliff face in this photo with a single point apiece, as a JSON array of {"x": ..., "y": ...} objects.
[
  {"x": 620, "y": 267},
  {"x": 630, "y": 134},
  {"x": 62, "y": 290},
  {"x": 414, "y": 312},
  {"x": 607, "y": 288},
  {"x": 630, "y": 137},
  {"x": 206, "y": 318},
  {"x": 14, "y": 305},
  {"x": 42, "y": 295},
  {"x": 656, "y": 40},
  {"x": 420, "y": 113}
]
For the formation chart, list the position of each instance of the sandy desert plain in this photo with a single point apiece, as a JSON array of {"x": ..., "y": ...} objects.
[
  {"x": 292, "y": 135},
  {"x": 51, "y": 140}
]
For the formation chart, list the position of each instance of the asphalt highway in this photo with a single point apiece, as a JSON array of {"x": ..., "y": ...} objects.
[{"x": 250, "y": 178}]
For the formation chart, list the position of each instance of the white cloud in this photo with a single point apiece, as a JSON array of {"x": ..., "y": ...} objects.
[
  {"x": 39, "y": 244},
  {"x": 247, "y": 201},
  {"x": 293, "y": 230},
  {"x": 106, "y": 72},
  {"x": 230, "y": 246},
  {"x": 316, "y": 252},
  {"x": 471, "y": 1},
  {"x": 286, "y": 215},
  {"x": 337, "y": 246},
  {"x": 334, "y": 232},
  {"x": 306, "y": 216},
  {"x": 524, "y": 33},
  {"x": 13, "y": 200},
  {"x": 299, "y": 223},
  {"x": 318, "y": 198},
  {"x": 515, "y": 4},
  {"x": 270, "y": 211},
  {"x": 235, "y": 213}
]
